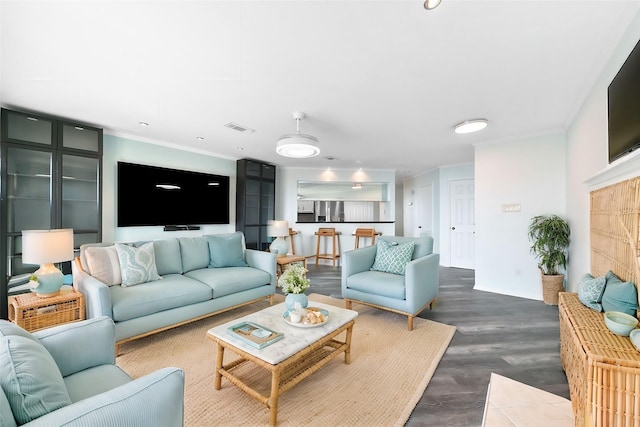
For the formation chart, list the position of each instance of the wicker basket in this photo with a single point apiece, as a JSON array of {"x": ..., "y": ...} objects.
[
  {"x": 552, "y": 284},
  {"x": 33, "y": 313}
]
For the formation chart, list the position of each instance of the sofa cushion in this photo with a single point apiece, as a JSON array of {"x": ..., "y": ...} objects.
[
  {"x": 8, "y": 329},
  {"x": 194, "y": 252},
  {"x": 226, "y": 250},
  {"x": 104, "y": 264},
  {"x": 6, "y": 416},
  {"x": 95, "y": 380},
  {"x": 423, "y": 244},
  {"x": 619, "y": 295},
  {"x": 392, "y": 257},
  {"x": 137, "y": 265},
  {"x": 228, "y": 280},
  {"x": 30, "y": 379},
  {"x": 174, "y": 290},
  {"x": 378, "y": 283},
  {"x": 590, "y": 290},
  {"x": 168, "y": 259}
]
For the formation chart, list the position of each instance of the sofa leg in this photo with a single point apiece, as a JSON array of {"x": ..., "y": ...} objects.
[
  {"x": 270, "y": 300},
  {"x": 431, "y": 304},
  {"x": 348, "y": 304},
  {"x": 410, "y": 323}
]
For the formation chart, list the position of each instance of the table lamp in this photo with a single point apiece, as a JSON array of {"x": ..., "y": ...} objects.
[
  {"x": 279, "y": 230},
  {"x": 45, "y": 247}
]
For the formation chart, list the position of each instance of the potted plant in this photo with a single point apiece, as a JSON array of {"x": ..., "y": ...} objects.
[
  {"x": 550, "y": 237},
  {"x": 294, "y": 282}
]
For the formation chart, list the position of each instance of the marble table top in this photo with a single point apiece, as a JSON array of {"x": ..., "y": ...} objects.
[{"x": 295, "y": 338}]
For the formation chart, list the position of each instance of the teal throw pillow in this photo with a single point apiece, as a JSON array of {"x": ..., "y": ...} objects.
[
  {"x": 226, "y": 250},
  {"x": 619, "y": 295},
  {"x": 30, "y": 379},
  {"x": 590, "y": 290},
  {"x": 392, "y": 257},
  {"x": 137, "y": 265}
]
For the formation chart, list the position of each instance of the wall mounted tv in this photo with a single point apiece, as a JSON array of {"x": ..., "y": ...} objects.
[
  {"x": 624, "y": 108},
  {"x": 151, "y": 195}
]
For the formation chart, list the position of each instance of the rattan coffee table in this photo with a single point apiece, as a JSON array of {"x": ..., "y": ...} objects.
[{"x": 299, "y": 354}]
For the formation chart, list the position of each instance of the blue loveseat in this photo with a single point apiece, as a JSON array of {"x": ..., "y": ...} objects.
[
  {"x": 148, "y": 287},
  {"x": 67, "y": 376},
  {"x": 371, "y": 280}
]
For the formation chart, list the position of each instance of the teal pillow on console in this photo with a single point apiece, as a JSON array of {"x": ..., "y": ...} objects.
[
  {"x": 392, "y": 257},
  {"x": 590, "y": 290},
  {"x": 619, "y": 295},
  {"x": 30, "y": 379},
  {"x": 226, "y": 250}
]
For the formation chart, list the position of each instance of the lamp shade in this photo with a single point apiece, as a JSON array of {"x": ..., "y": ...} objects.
[
  {"x": 47, "y": 246},
  {"x": 278, "y": 228}
]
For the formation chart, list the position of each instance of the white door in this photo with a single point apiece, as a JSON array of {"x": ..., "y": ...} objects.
[
  {"x": 462, "y": 228},
  {"x": 424, "y": 216}
]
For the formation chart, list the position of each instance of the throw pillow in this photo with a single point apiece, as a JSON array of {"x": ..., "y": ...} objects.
[
  {"x": 138, "y": 265},
  {"x": 619, "y": 295},
  {"x": 104, "y": 264},
  {"x": 226, "y": 250},
  {"x": 392, "y": 257},
  {"x": 590, "y": 290},
  {"x": 9, "y": 328},
  {"x": 30, "y": 379}
]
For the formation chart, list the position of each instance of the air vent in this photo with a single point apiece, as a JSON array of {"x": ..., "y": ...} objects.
[{"x": 238, "y": 127}]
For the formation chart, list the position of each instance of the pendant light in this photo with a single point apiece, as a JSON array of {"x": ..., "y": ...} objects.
[{"x": 298, "y": 145}]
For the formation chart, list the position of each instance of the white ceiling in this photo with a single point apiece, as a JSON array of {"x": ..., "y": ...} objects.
[{"x": 382, "y": 82}]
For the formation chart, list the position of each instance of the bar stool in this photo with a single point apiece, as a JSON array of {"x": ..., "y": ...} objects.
[
  {"x": 365, "y": 233},
  {"x": 335, "y": 244},
  {"x": 292, "y": 233}
]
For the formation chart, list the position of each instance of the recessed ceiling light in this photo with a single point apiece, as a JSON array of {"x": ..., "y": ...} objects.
[
  {"x": 143, "y": 123},
  {"x": 471, "y": 126},
  {"x": 199, "y": 138},
  {"x": 240, "y": 148},
  {"x": 431, "y": 4}
]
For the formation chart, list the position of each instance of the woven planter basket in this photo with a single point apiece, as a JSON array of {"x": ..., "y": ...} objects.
[{"x": 552, "y": 284}]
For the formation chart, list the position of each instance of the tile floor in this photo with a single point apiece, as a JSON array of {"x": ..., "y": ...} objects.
[{"x": 510, "y": 403}]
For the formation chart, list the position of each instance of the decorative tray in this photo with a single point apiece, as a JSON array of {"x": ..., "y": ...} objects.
[{"x": 305, "y": 323}]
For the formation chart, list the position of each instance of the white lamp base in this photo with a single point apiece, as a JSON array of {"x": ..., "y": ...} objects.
[{"x": 279, "y": 246}]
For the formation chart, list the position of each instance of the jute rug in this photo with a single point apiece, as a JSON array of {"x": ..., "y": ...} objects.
[{"x": 389, "y": 371}]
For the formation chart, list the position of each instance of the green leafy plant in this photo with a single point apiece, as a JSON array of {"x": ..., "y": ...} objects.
[
  {"x": 33, "y": 278},
  {"x": 550, "y": 237},
  {"x": 294, "y": 279}
]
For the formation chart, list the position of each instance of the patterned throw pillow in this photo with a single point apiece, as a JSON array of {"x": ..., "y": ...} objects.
[
  {"x": 137, "y": 265},
  {"x": 590, "y": 290},
  {"x": 392, "y": 257}
]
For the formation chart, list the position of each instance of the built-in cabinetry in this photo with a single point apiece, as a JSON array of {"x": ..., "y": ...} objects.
[
  {"x": 255, "y": 201},
  {"x": 50, "y": 177}
]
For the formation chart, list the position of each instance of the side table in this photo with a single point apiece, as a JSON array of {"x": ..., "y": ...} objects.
[
  {"x": 33, "y": 313},
  {"x": 289, "y": 259}
]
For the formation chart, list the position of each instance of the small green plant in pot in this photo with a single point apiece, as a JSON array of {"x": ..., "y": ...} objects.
[{"x": 550, "y": 237}]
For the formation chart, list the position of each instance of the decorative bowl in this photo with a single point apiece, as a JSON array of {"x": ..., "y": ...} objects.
[
  {"x": 635, "y": 338},
  {"x": 620, "y": 323}
]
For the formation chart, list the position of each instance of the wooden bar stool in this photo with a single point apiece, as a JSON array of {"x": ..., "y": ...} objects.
[
  {"x": 335, "y": 244},
  {"x": 365, "y": 233},
  {"x": 292, "y": 233}
]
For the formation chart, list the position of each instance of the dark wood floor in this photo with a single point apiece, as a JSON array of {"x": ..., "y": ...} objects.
[{"x": 513, "y": 337}]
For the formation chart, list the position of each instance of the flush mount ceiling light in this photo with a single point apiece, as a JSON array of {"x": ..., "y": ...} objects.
[
  {"x": 470, "y": 126},
  {"x": 431, "y": 4},
  {"x": 298, "y": 145}
]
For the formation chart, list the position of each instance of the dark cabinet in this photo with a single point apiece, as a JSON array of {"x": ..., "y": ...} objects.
[
  {"x": 50, "y": 177},
  {"x": 255, "y": 201}
]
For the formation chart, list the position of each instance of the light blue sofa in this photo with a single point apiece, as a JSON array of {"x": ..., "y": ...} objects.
[
  {"x": 200, "y": 277},
  {"x": 408, "y": 294},
  {"x": 67, "y": 376}
]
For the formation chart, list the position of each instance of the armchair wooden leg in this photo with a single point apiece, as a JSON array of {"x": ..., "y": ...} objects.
[
  {"x": 410, "y": 322},
  {"x": 348, "y": 304}
]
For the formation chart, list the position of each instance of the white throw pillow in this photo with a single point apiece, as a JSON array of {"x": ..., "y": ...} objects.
[
  {"x": 137, "y": 265},
  {"x": 104, "y": 264}
]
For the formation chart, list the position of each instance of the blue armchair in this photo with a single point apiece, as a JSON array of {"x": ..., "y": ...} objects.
[
  {"x": 408, "y": 294},
  {"x": 66, "y": 375}
]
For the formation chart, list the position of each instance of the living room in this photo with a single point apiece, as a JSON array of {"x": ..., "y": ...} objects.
[{"x": 543, "y": 171}]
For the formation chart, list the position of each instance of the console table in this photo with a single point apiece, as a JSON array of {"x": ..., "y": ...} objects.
[
  {"x": 603, "y": 369},
  {"x": 33, "y": 313}
]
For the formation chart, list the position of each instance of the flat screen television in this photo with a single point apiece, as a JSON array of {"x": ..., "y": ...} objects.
[
  {"x": 151, "y": 195},
  {"x": 624, "y": 108}
]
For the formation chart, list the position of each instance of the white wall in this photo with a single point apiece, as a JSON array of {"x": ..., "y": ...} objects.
[
  {"x": 530, "y": 172},
  {"x": 286, "y": 203},
  {"x": 587, "y": 142},
  {"x": 122, "y": 149}
]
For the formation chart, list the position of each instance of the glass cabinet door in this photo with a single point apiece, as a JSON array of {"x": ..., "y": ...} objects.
[{"x": 80, "y": 197}]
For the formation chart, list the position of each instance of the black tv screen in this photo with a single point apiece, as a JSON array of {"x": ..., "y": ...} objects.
[
  {"x": 151, "y": 195},
  {"x": 624, "y": 108}
]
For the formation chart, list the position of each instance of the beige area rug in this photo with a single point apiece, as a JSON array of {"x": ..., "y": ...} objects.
[{"x": 389, "y": 371}]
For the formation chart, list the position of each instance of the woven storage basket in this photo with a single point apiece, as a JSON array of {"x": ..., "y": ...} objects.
[{"x": 551, "y": 286}]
